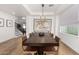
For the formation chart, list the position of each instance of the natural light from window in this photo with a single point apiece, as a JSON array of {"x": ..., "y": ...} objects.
[{"x": 70, "y": 29}]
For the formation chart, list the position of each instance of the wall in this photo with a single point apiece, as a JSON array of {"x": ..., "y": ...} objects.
[
  {"x": 56, "y": 25},
  {"x": 7, "y": 32},
  {"x": 30, "y": 20},
  {"x": 70, "y": 16}
]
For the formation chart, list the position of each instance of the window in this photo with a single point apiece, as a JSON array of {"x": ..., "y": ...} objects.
[{"x": 70, "y": 29}]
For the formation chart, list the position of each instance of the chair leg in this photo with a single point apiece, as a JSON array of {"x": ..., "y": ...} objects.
[
  {"x": 56, "y": 49},
  {"x": 24, "y": 48}
]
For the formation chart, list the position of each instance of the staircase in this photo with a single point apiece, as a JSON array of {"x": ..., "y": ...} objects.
[{"x": 20, "y": 28}]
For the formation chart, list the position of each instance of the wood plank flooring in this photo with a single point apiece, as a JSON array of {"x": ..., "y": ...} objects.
[{"x": 14, "y": 47}]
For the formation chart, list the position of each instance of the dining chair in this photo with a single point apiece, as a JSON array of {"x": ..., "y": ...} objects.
[
  {"x": 56, "y": 47},
  {"x": 24, "y": 45}
]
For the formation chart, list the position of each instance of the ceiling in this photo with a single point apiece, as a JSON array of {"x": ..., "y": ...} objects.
[
  {"x": 49, "y": 9},
  {"x": 22, "y": 10},
  {"x": 32, "y": 9},
  {"x": 14, "y": 9}
]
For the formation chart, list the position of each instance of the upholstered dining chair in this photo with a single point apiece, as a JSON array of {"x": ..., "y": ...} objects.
[
  {"x": 57, "y": 46},
  {"x": 24, "y": 46}
]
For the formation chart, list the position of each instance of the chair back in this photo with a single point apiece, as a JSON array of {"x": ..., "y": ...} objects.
[{"x": 57, "y": 39}]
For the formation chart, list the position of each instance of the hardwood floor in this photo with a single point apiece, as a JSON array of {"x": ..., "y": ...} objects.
[
  {"x": 14, "y": 47},
  {"x": 65, "y": 50}
]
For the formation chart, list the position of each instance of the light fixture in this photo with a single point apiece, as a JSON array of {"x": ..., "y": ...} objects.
[
  {"x": 42, "y": 17},
  {"x": 24, "y": 26}
]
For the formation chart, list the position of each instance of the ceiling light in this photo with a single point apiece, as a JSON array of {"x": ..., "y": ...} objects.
[{"x": 42, "y": 17}]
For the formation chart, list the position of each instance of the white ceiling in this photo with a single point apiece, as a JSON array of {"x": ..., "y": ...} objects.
[
  {"x": 36, "y": 9},
  {"x": 15, "y": 9},
  {"x": 32, "y": 9}
]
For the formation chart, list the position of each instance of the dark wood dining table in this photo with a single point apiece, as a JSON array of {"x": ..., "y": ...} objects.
[{"x": 41, "y": 42}]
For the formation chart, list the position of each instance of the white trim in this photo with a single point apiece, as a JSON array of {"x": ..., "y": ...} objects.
[{"x": 27, "y": 8}]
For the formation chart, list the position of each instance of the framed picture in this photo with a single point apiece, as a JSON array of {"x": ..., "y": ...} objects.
[
  {"x": 9, "y": 23},
  {"x": 42, "y": 25},
  {"x": 1, "y": 22}
]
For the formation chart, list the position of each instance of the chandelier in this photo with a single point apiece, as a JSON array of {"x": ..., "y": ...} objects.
[{"x": 42, "y": 17}]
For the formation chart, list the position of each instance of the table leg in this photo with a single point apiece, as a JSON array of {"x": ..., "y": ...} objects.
[{"x": 40, "y": 52}]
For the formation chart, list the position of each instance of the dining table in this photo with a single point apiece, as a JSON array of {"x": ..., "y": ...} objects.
[{"x": 41, "y": 42}]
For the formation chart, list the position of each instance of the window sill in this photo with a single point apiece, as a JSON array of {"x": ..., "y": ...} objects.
[{"x": 70, "y": 35}]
